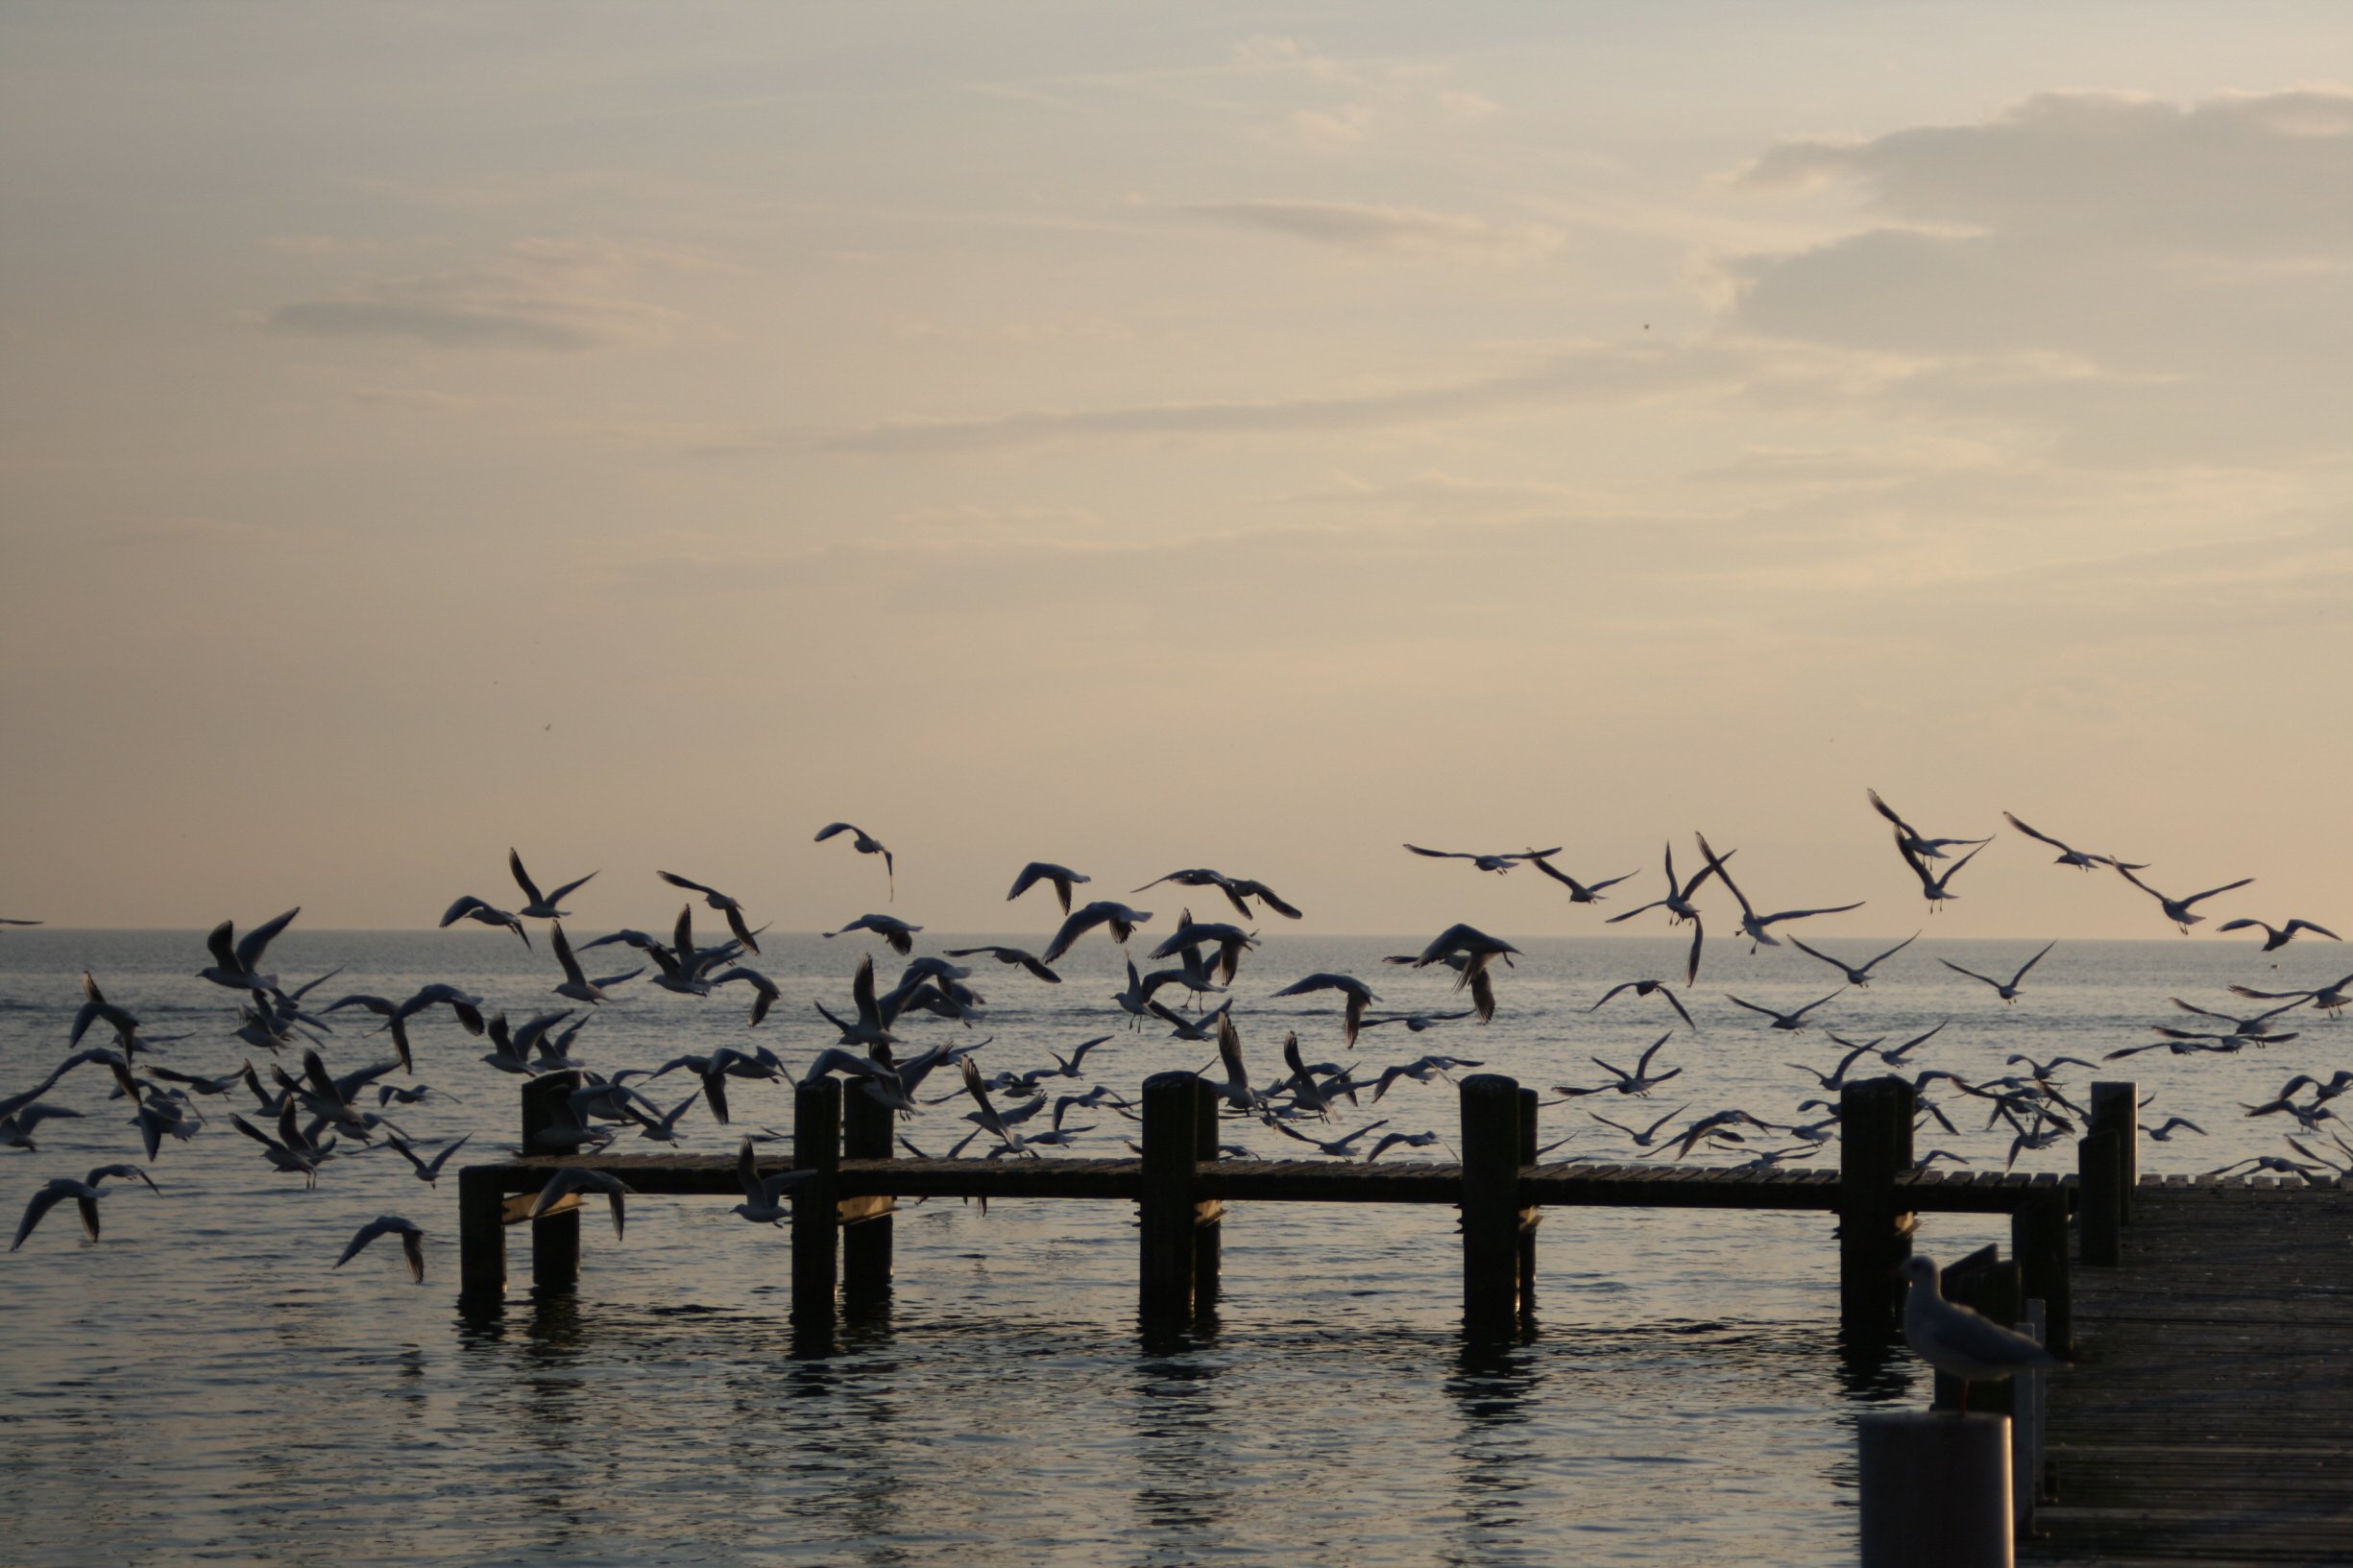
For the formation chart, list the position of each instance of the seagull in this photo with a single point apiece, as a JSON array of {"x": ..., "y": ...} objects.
[
  {"x": 761, "y": 1203},
  {"x": 1236, "y": 1089},
  {"x": 2178, "y": 911},
  {"x": 1337, "y": 1148},
  {"x": 1421, "y": 1070},
  {"x": 890, "y": 928},
  {"x": 428, "y": 1171},
  {"x": 1938, "y": 887},
  {"x": 1059, "y": 878},
  {"x": 577, "y": 986},
  {"x": 1237, "y": 890},
  {"x": 1783, "y": 1021},
  {"x": 1355, "y": 990},
  {"x": 1646, "y": 1136},
  {"x": 1231, "y": 940},
  {"x": 1416, "y": 1023},
  {"x": 1122, "y": 921},
  {"x": 2165, "y": 1133},
  {"x": 865, "y": 843},
  {"x": 1835, "y": 1079},
  {"x": 2006, "y": 992},
  {"x": 2070, "y": 856},
  {"x": 1751, "y": 922},
  {"x": 2267, "y": 1162},
  {"x": 539, "y": 905},
  {"x": 2333, "y": 997},
  {"x": 2279, "y": 936},
  {"x": 1908, "y": 837},
  {"x": 1641, "y": 1081},
  {"x": 870, "y": 1029},
  {"x": 581, "y": 1180},
  {"x": 1016, "y": 957},
  {"x": 989, "y": 1119},
  {"x": 733, "y": 910},
  {"x": 1959, "y": 1341},
  {"x": 2244, "y": 1028},
  {"x": 1497, "y": 864},
  {"x": 1678, "y": 901},
  {"x": 764, "y": 991},
  {"x": 16, "y": 1127},
  {"x": 233, "y": 961},
  {"x": 1895, "y": 1057},
  {"x": 1407, "y": 1140},
  {"x": 1578, "y": 892},
  {"x": 1856, "y": 975},
  {"x": 1645, "y": 988},
  {"x": 470, "y": 908},
  {"x": 412, "y": 1242},
  {"x": 86, "y": 1195}
]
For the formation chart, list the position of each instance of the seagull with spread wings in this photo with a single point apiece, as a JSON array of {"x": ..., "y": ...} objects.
[
  {"x": 2178, "y": 911},
  {"x": 1909, "y": 836},
  {"x": 2006, "y": 990},
  {"x": 1758, "y": 926},
  {"x": 865, "y": 843}
]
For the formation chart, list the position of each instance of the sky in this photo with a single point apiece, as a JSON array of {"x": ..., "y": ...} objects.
[{"x": 1171, "y": 435}]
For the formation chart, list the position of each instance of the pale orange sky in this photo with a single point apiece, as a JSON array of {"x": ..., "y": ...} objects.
[{"x": 1153, "y": 437}]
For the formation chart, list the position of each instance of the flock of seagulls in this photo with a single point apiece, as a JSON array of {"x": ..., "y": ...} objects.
[{"x": 304, "y": 1121}]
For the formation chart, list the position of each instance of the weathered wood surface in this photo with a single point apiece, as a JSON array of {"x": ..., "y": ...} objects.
[{"x": 2210, "y": 1414}]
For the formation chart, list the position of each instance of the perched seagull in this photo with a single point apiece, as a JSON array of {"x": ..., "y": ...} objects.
[
  {"x": 1358, "y": 993},
  {"x": 1935, "y": 887},
  {"x": 2276, "y": 937},
  {"x": 580, "y": 1179},
  {"x": 1578, "y": 892},
  {"x": 2070, "y": 856},
  {"x": 412, "y": 1242},
  {"x": 232, "y": 960},
  {"x": 1856, "y": 974},
  {"x": 865, "y": 843},
  {"x": 1060, "y": 879},
  {"x": 1908, "y": 837},
  {"x": 1645, "y": 988},
  {"x": 2178, "y": 911},
  {"x": 1118, "y": 917},
  {"x": 1756, "y": 926},
  {"x": 470, "y": 908},
  {"x": 1012, "y": 957},
  {"x": 1959, "y": 1341},
  {"x": 762, "y": 1196},
  {"x": 1784, "y": 1021},
  {"x": 539, "y": 905},
  {"x": 2007, "y": 991},
  {"x": 890, "y": 928},
  {"x": 1497, "y": 864},
  {"x": 732, "y": 909}
]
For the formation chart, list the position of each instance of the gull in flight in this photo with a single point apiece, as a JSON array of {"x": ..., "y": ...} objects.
[
  {"x": 537, "y": 905},
  {"x": 1355, "y": 990},
  {"x": 865, "y": 843},
  {"x": 580, "y": 1179},
  {"x": 1784, "y": 1021},
  {"x": 1835, "y": 1079},
  {"x": 1644, "y": 1137},
  {"x": 1641, "y": 1081},
  {"x": 1061, "y": 879},
  {"x": 2276, "y": 937},
  {"x": 1236, "y": 1089},
  {"x": 2007, "y": 991},
  {"x": 2331, "y": 999},
  {"x": 470, "y": 908},
  {"x": 1416, "y": 1023},
  {"x": 890, "y": 928},
  {"x": 1337, "y": 1148},
  {"x": 2072, "y": 857},
  {"x": 1237, "y": 889},
  {"x": 1231, "y": 940},
  {"x": 730, "y": 907},
  {"x": 1856, "y": 974},
  {"x": 85, "y": 1193},
  {"x": 1645, "y": 988},
  {"x": 16, "y": 1127},
  {"x": 1959, "y": 1341},
  {"x": 2244, "y": 1028},
  {"x": 1679, "y": 908},
  {"x": 2178, "y": 911},
  {"x": 762, "y": 1196},
  {"x": 428, "y": 1171},
  {"x": 1908, "y": 837},
  {"x": 97, "y": 1009},
  {"x": 2165, "y": 1133},
  {"x": 1012, "y": 957},
  {"x": 1118, "y": 917},
  {"x": 577, "y": 986},
  {"x": 234, "y": 960},
  {"x": 1497, "y": 864},
  {"x": 1421, "y": 1070},
  {"x": 412, "y": 1242},
  {"x": 1758, "y": 927},
  {"x": 1578, "y": 892},
  {"x": 1937, "y": 886}
]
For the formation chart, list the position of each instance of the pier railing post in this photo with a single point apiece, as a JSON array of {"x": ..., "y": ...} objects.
[
  {"x": 1490, "y": 1205},
  {"x": 1166, "y": 1240},
  {"x": 482, "y": 1232},
  {"x": 2038, "y": 1241},
  {"x": 817, "y": 1145},
  {"x": 1875, "y": 1145},
  {"x": 1528, "y": 1217},
  {"x": 1935, "y": 1490},
  {"x": 2099, "y": 1164},
  {"x": 555, "y": 1238},
  {"x": 1208, "y": 1214},
  {"x": 867, "y": 1128},
  {"x": 2115, "y": 1108}
]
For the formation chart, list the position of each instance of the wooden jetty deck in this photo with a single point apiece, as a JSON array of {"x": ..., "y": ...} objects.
[{"x": 2209, "y": 1418}]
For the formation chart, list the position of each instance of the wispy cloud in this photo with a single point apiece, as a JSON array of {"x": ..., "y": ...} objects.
[
  {"x": 548, "y": 294},
  {"x": 1367, "y": 228}
]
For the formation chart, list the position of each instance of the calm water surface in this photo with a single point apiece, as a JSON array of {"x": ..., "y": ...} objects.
[{"x": 201, "y": 1385}]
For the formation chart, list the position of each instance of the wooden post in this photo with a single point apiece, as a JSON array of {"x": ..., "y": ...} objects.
[
  {"x": 482, "y": 1232},
  {"x": 2100, "y": 1160},
  {"x": 2038, "y": 1241},
  {"x": 2115, "y": 1108},
  {"x": 1528, "y": 1217},
  {"x": 1875, "y": 1145},
  {"x": 817, "y": 1145},
  {"x": 1490, "y": 1205},
  {"x": 1165, "y": 1271},
  {"x": 1208, "y": 1214},
  {"x": 555, "y": 1238},
  {"x": 867, "y": 1128},
  {"x": 1935, "y": 1490}
]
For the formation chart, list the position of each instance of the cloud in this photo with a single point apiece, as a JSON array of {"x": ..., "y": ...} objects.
[
  {"x": 1365, "y": 229},
  {"x": 438, "y": 325},
  {"x": 539, "y": 294}
]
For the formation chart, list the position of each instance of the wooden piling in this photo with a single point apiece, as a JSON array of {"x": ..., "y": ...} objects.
[
  {"x": 869, "y": 1127},
  {"x": 2039, "y": 1242},
  {"x": 482, "y": 1230},
  {"x": 817, "y": 1145},
  {"x": 1935, "y": 1490},
  {"x": 1208, "y": 1214},
  {"x": 1528, "y": 1217},
  {"x": 2115, "y": 1108},
  {"x": 1490, "y": 1205},
  {"x": 555, "y": 1238},
  {"x": 1874, "y": 1235},
  {"x": 2100, "y": 1160},
  {"x": 1165, "y": 1209}
]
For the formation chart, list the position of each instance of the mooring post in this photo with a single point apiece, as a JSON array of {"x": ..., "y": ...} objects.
[
  {"x": 555, "y": 1238},
  {"x": 817, "y": 1145},
  {"x": 481, "y": 1240},
  {"x": 1528, "y": 1217},
  {"x": 867, "y": 1128},
  {"x": 2038, "y": 1241},
  {"x": 2115, "y": 1108},
  {"x": 1874, "y": 1146},
  {"x": 2099, "y": 1164},
  {"x": 1935, "y": 1490},
  {"x": 1490, "y": 1205},
  {"x": 1208, "y": 1214},
  {"x": 1166, "y": 1232}
]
